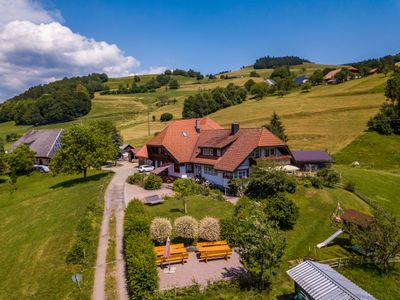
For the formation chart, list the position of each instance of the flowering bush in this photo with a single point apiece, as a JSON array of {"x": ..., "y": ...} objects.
[
  {"x": 160, "y": 229},
  {"x": 186, "y": 227},
  {"x": 209, "y": 229}
]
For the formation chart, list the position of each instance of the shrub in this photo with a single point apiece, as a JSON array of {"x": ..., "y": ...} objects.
[
  {"x": 227, "y": 229},
  {"x": 349, "y": 186},
  {"x": 316, "y": 182},
  {"x": 209, "y": 229},
  {"x": 282, "y": 210},
  {"x": 140, "y": 266},
  {"x": 329, "y": 177},
  {"x": 137, "y": 178},
  {"x": 160, "y": 229},
  {"x": 266, "y": 183},
  {"x": 186, "y": 187},
  {"x": 152, "y": 182},
  {"x": 237, "y": 186},
  {"x": 165, "y": 117},
  {"x": 139, "y": 254},
  {"x": 307, "y": 183},
  {"x": 186, "y": 227}
]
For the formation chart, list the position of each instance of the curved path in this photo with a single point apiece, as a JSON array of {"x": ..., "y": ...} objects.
[{"x": 113, "y": 202}]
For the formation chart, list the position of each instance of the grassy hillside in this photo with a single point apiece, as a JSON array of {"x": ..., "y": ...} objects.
[
  {"x": 328, "y": 117},
  {"x": 37, "y": 230},
  {"x": 379, "y": 173}
]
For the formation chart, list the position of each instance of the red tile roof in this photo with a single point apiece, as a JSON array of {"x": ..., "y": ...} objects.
[
  {"x": 180, "y": 138},
  {"x": 187, "y": 148}
]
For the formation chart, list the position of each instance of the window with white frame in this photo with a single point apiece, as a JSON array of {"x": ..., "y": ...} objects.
[
  {"x": 241, "y": 173},
  {"x": 208, "y": 151},
  {"x": 210, "y": 170}
]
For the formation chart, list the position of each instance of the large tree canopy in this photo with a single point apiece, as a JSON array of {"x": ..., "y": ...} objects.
[{"x": 83, "y": 147}]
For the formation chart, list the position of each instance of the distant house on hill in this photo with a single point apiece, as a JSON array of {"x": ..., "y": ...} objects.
[
  {"x": 270, "y": 82},
  {"x": 331, "y": 76},
  {"x": 374, "y": 71},
  {"x": 311, "y": 160},
  {"x": 45, "y": 143},
  {"x": 301, "y": 80}
]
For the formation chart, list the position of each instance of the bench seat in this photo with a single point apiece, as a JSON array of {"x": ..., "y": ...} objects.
[
  {"x": 173, "y": 258},
  {"x": 215, "y": 254}
]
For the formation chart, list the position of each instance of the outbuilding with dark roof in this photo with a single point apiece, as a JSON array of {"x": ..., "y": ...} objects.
[
  {"x": 45, "y": 143},
  {"x": 311, "y": 160}
]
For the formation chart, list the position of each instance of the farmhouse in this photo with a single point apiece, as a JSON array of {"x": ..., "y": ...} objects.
[
  {"x": 301, "y": 80},
  {"x": 45, "y": 143},
  {"x": 314, "y": 280},
  {"x": 202, "y": 148},
  {"x": 331, "y": 76}
]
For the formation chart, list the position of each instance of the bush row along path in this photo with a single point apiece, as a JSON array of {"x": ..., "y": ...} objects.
[{"x": 113, "y": 202}]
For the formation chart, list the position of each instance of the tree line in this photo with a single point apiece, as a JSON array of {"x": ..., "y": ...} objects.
[
  {"x": 387, "y": 120},
  {"x": 58, "y": 101},
  {"x": 269, "y": 62},
  {"x": 385, "y": 64},
  {"x": 202, "y": 104}
]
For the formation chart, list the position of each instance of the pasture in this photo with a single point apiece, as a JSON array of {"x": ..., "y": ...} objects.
[{"x": 36, "y": 232}]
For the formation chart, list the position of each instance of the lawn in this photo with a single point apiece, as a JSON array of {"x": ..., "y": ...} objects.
[
  {"x": 198, "y": 207},
  {"x": 381, "y": 285},
  {"x": 37, "y": 230},
  {"x": 373, "y": 151}
]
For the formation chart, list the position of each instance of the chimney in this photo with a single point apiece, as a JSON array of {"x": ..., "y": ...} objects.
[
  {"x": 197, "y": 127},
  {"x": 234, "y": 128}
]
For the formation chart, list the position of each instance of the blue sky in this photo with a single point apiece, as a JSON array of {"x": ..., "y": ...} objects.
[
  {"x": 45, "y": 40},
  {"x": 216, "y": 35}
]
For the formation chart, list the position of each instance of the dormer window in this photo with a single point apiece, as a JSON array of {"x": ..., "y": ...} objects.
[{"x": 209, "y": 151}]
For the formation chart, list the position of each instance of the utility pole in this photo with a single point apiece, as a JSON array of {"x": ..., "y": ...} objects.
[{"x": 148, "y": 120}]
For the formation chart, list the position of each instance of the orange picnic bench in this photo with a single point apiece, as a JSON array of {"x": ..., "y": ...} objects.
[
  {"x": 178, "y": 253},
  {"x": 220, "y": 250}
]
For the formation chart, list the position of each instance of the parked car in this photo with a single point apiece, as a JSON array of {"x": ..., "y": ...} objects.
[
  {"x": 41, "y": 168},
  {"x": 145, "y": 168}
]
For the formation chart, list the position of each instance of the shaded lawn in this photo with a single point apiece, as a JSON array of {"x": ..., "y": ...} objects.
[
  {"x": 198, "y": 207},
  {"x": 372, "y": 151},
  {"x": 383, "y": 187},
  {"x": 37, "y": 230}
]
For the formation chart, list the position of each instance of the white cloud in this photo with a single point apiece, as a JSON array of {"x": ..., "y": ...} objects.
[
  {"x": 26, "y": 10},
  {"x": 35, "y": 48},
  {"x": 152, "y": 70}
]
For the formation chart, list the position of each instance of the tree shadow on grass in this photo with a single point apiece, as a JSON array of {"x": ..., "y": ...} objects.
[
  {"x": 72, "y": 182},
  {"x": 3, "y": 180}
]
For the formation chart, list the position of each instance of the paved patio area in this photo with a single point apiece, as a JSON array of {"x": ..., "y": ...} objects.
[{"x": 200, "y": 272}]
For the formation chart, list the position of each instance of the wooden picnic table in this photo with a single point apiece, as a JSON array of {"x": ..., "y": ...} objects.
[
  {"x": 172, "y": 251},
  {"x": 172, "y": 246},
  {"x": 209, "y": 244},
  {"x": 214, "y": 248}
]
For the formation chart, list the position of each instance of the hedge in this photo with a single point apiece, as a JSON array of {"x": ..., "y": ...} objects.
[{"x": 139, "y": 254}]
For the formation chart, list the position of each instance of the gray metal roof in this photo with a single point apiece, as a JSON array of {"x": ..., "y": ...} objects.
[
  {"x": 322, "y": 282},
  {"x": 42, "y": 142}
]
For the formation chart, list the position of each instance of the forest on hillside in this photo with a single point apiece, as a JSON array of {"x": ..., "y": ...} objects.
[
  {"x": 58, "y": 101},
  {"x": 271, "y": 62}
]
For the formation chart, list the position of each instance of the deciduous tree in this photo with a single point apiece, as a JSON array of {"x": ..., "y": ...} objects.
[{"x": 83, "y": 147}]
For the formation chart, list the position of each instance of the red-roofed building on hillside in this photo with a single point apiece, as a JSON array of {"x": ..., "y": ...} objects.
[{"x": 202, "y": 148}]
